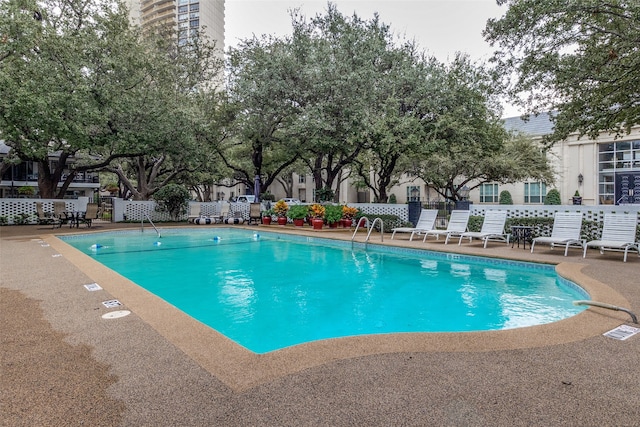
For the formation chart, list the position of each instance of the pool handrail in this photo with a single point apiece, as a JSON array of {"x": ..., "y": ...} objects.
[
  {"x": 368, "y": 224},
  {"x": 146, "y": 214}
]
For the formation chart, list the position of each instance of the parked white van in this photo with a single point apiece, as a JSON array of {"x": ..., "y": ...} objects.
[{"x": 246, "y": 198}]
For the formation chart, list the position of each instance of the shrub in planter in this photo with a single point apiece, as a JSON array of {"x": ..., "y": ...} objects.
[
  {"x": 26, "y": 190},
  {"x": 505, "y": 198},
  {"x": 333, "y": 213},
  {"x": 298, "y": 213},
  {"x": 553, "y": 198}
]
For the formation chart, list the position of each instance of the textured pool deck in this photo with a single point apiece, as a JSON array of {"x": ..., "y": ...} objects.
[{"x": 63, "y": 364}]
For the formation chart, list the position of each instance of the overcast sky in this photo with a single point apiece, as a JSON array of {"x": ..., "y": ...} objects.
[{"x": 441, "y": 27}]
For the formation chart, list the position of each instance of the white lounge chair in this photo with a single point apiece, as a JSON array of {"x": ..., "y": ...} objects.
[
  {"x": 565, "y": 232},
  {"x": 492, "y": 228},
  {"x": 426, "y": 221},
  {"x": 457, "y": 225},
  {"x": 618, "y": 234}
]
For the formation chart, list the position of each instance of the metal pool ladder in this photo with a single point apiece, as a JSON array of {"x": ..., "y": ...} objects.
[
  {"x": 150, "y": 222},
  {"x": 370, "y": 227}
]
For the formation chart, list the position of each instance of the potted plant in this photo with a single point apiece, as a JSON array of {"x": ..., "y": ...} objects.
[
  {"x": 577, "y": 199},
  {"x": 298, "y": 213},
  {"x": 266, "y": 216},
  {"x": 347, "y": 215},
  {"x": 280, "y": 209},
  {"x": 317, "y": 214},
  {"x": 333, "y": 214},
  {"x": 26, "y": 191}
]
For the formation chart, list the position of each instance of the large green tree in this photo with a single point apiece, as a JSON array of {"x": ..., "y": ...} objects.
[
  {"x": 60, "y": 94},
  {"x": 579, "y": 58},
  {"x": 466, "y": 143},
  {"x": 263, "y": 79},
  {"x": 343, "y": 58}
]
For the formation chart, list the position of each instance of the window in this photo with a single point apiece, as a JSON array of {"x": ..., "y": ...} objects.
[
  {"x": 194, "y": 23},
  {"x": 489, "y": 193},
  {"x": 615, "y": 157},
  {"x": 535, "y": 192},
  {"x": 301, "y": 179},
  {"x": 182, "y": 9}
]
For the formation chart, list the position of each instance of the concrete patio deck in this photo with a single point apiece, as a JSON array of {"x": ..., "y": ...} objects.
[{"x": 62, "y": 364}]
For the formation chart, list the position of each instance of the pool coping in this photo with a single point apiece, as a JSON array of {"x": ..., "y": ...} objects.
[{"x": 241, "y": 369}]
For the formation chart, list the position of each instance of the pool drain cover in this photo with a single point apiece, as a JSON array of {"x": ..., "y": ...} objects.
[
  {"x": 622, "y": 332},
  {"x": 93, "y": 287},
  {"x": 112, "y": 303},
  {"x": 116, "y": 314}
]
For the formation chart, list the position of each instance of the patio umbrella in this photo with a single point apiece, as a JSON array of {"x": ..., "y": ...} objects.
[{"x": 256, "y": 187}]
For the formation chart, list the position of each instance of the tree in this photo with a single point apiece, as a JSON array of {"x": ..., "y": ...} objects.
[
  {"x": 263, "y": 78},
  {"x": 394, "y": 133},
  {"x": 466, "y": 142},
  {"x": 579, "y": 58},
  {"x": 342, "y": 61},
  {"x": 61, "y": 94},
  {"x": 174, "y": 199}
]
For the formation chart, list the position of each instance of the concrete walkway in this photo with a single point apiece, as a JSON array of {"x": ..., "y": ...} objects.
[{"x": 62, "y": 364}]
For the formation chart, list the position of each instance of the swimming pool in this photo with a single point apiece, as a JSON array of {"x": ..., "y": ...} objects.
[{"x": 270, "y": 291}]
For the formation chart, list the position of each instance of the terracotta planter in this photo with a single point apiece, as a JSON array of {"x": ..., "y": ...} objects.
[
  {"x": 282, "y": 220},
  {"x": 333, "y": 225},
  {"x": 317, "y": 223},
  {"x": 266, "y": 220},
  {"x": 346, "y": 223},
  {"x": 298, "y": 222}
]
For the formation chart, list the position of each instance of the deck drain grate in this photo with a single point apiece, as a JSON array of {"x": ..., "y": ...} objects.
[
  {"x": 622, "y": 332},
  {"x": 93, "y": 287},
  {"x": 112, "y": 303}
]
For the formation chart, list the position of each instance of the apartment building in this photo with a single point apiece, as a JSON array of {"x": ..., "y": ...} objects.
[{"x": 184, "y": 16}]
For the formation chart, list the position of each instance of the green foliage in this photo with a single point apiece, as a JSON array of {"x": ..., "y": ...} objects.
[
  {"x": 467, "y": 142},
  {"x": 26, "y": 190},
  {"x": 332, "y": 213},
  {"x": 553, "y": 197},
  {"x": 505, "y": 198},
  {"x": 576, "y": 194},
  {"x": 173, "y": 199},
  {"x": 475, "y": 223},
  {"x": 573, "y": 57},
  {"x": 298, "y": 211},
  {"x": 392, "y": 199},
  {"x": 4, "y": 220},
  {"x": 267, "y": 196},
  {"x": 325, "y": 194},
  {"x": 390, "y": 221}
]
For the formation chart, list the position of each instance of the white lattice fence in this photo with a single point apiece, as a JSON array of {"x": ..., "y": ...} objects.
[
  {"x": 590, "y": 213},
  {"x": 16, "y": 211},
  {"x": 135, "y": 210},
  {"x": 376, "y": 209}
]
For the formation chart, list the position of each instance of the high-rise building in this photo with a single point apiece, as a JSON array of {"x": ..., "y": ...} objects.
[{"x": 184, "y": 16}]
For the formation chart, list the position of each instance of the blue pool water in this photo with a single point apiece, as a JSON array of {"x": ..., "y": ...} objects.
[{"x": 268, "y": 291}]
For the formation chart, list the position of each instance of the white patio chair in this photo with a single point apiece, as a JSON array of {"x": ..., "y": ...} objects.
[
  {"x": 492, "y": 228},
  {"x": 457, "y": 225},
  {"x": 565, "y": 232},
  {"x": 426, "y": 221},
  {"x": 618, "y": 234}
]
